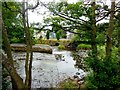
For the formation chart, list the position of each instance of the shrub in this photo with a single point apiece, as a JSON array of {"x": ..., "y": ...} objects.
[
  {"x": 83, "y": 46},
  {"x": 61, "y": 47},
  {"x": 101, "y": 51},
  {"x": 5, "y": 80},
  {"x": 105, "y": 75}
]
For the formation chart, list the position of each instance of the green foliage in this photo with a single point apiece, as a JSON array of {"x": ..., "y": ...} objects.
[
  {"x": 76, "y": 38},
  {"x": 15, "y": 34},
  {"x": 13, "y": 22},
  {"x": 61, "y": 47},
  {"x": 73, "y": 10},
  {"x": 8, "y": 16},
  {"x": 58, "y": 33},
  {"x": 105, "y": 73},
  {"x": 16, "y": 40},
  {"x": 100, "y": 38},
  {"x": 84, "y": 46},
  {"x": 5, "y": 80},
  {"x": 48, "y": 34},
  {"x": 101, "y": 51}
]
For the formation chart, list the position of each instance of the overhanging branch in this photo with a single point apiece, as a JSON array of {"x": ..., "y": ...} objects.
[
  {"x": 30, "y": 8},
  {"x": 78, "y": 21},
  {"x": 68, "y": 29},
  {"x": 103, "y": 16}
]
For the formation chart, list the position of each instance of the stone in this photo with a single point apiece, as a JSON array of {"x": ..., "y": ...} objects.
[
  {"x": 80, "y": 82},
  {"x": 75, "y": 76},
  {"x": 77, "y": 73}
]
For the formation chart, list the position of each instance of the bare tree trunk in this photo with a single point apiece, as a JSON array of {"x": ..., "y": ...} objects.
[
  {"x": 8, "y": 62},
  {"x": 9, "y": 55},
  {"x": 29, "y": 54},
  {"x": 27, "y": 48},
  {"x": 110, "y": 31}
]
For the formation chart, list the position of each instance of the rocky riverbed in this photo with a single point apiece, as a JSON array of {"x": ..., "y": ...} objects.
[{"x": 48, "y": 70}]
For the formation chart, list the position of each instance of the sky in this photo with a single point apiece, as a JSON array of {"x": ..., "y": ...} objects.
[{"x": 34, "y": 17}]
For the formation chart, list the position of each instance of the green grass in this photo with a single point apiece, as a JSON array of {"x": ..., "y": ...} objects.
[{"x": 83, "y": 46}]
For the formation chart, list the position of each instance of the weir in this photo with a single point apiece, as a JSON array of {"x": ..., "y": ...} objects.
[{"x": 35, "y": 48}]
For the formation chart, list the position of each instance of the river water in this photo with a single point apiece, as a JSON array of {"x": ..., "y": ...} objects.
[{"x": 49, "y": 69}]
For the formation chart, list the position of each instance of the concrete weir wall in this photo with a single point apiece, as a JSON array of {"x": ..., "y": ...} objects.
[{"x": 35, "y": 48}]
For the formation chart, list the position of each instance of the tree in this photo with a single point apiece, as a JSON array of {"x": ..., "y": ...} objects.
[
  {"x": 103, "y": 69},
  {"x": 8, "y": 62},
  {"x": 110, "y": 31},
  {"x": 28, "y": 63},
  {"x": 70, "y": 19}
]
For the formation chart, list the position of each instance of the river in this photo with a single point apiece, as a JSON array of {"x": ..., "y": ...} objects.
[{"x": 49, "y": 69}]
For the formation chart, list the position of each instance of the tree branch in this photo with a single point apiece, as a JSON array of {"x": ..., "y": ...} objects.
[
  {"x": 63, "y": 28},
  {"x": 103, "y": 16},
  {"x": 78, "y": 19},
  {"x": 117, "y": 10},
  {"x": 30, "y": 8}
]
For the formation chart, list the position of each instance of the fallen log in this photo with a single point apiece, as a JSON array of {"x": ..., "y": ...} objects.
[{"x": 35, "y": 48}]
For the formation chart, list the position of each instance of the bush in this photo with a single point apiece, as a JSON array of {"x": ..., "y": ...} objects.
[
  {"x": 105, "y": 75},
  {"x": 83, "y": 46},
  {"x": 61, "y": 47},
  {"x": 101, "y": 51},
  {"x": 5, "y": 80}
]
